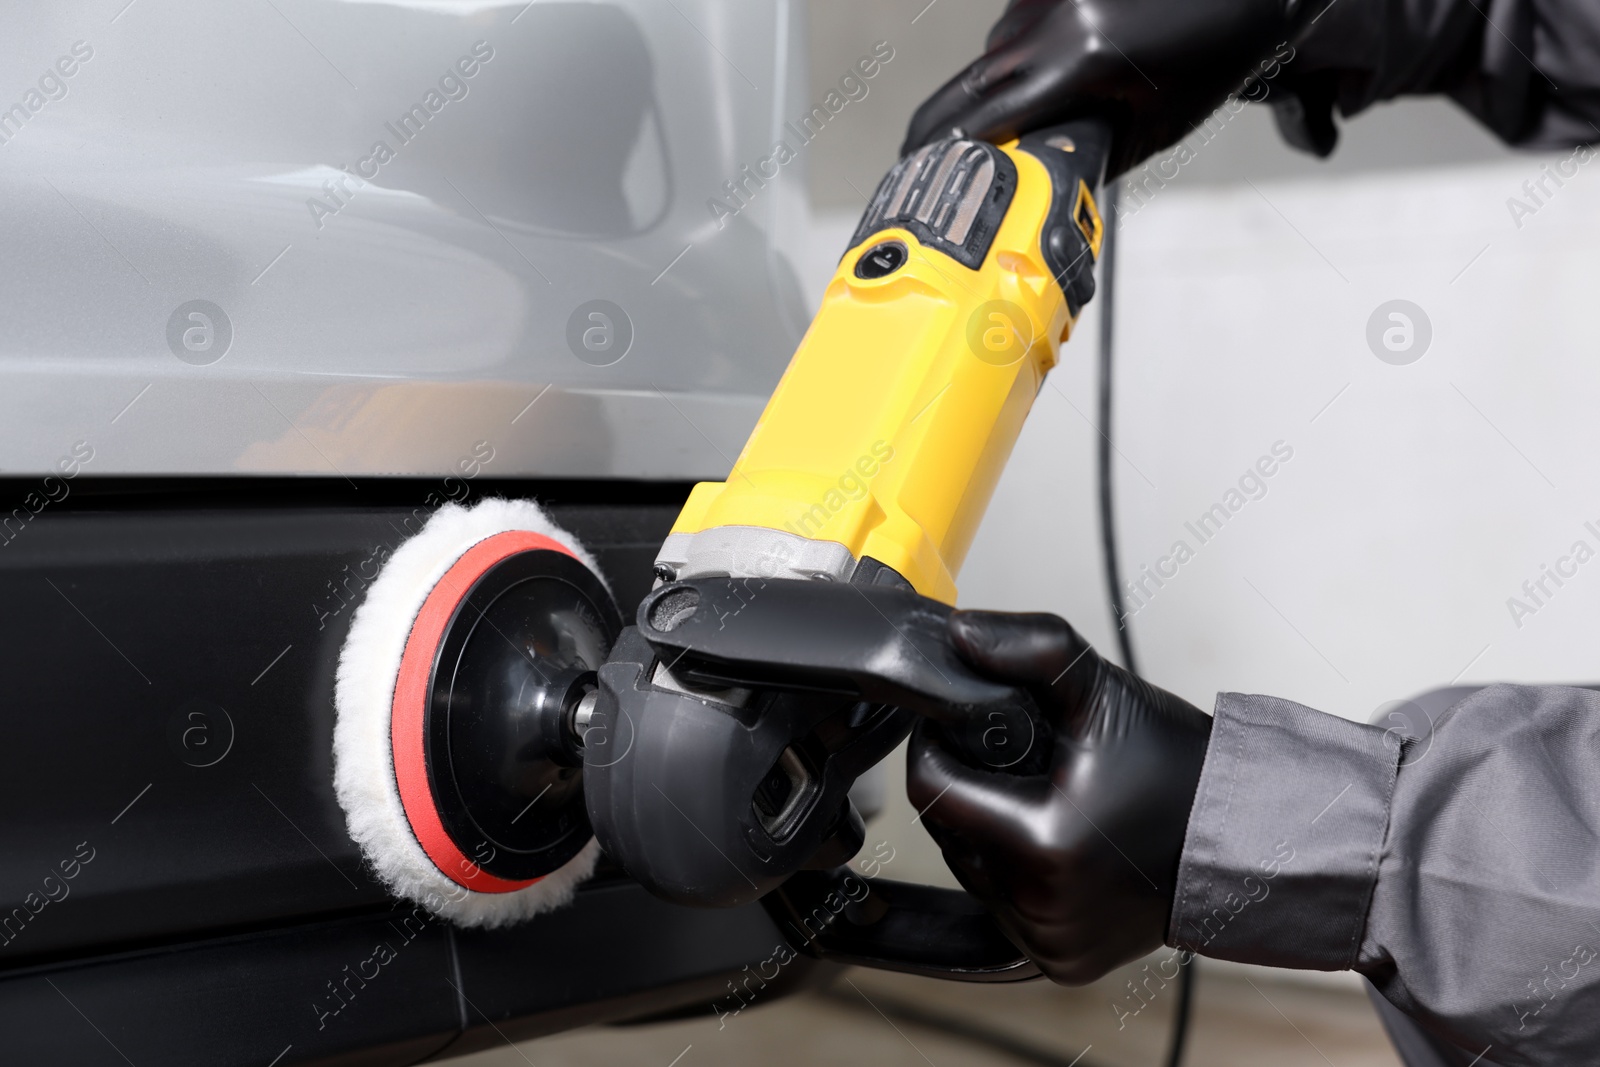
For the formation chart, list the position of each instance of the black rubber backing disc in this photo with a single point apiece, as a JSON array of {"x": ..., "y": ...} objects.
[{"x": 519, "y": 650}]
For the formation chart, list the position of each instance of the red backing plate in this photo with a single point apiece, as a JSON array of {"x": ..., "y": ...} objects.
[{"x": 407, "y": 713}]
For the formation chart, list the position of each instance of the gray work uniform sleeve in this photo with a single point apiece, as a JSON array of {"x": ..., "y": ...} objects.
[
  {"x": 1527, "y": 69},
  {"x": 1459, "y": 872}
]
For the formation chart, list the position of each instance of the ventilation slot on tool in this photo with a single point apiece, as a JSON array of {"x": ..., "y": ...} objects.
[
  {"x": 782, "y": 792},
  {"x": 951, "y": 195}
]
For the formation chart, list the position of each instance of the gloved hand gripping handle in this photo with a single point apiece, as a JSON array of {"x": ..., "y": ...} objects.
[{"x": 875, "y": 644}]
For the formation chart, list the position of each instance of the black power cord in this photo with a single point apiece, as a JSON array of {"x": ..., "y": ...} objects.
[
  {"x": 1106, "y": 298},
  {"x": 1108, "y": 540}
]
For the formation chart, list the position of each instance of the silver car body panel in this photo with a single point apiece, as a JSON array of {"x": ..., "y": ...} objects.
[{"x": 402, "y": 310}]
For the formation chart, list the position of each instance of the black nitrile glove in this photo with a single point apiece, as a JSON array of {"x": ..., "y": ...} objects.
[
  {"x": 1153, "y": 68},
  {"x": 1079, "y": 866}
]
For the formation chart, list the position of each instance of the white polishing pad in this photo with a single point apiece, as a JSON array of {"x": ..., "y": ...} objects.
[{"x": 363, "y": 756}]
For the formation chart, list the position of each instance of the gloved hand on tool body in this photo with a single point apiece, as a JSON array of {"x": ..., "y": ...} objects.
[{"x": 1157, "y": 68}]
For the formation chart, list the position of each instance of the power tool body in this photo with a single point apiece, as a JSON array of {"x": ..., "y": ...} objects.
[{"x": 798, "y": 626}]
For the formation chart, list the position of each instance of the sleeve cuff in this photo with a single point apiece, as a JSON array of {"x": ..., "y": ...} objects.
[{"x": 1284, "y": 837}]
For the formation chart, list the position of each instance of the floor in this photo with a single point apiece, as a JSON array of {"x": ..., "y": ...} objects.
[{"x": 1242, "y": 1017}]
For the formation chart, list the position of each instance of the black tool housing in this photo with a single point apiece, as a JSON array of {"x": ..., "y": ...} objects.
[{"x": 734, "y": 716}]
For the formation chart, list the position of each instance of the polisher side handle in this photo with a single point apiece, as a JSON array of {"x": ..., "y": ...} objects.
[
  {"x": 880, "y": 644},
  {"x": 845, "y": 917}
]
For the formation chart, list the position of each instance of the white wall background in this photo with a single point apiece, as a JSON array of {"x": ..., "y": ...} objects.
[{"x": 1381, "y": 561}]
